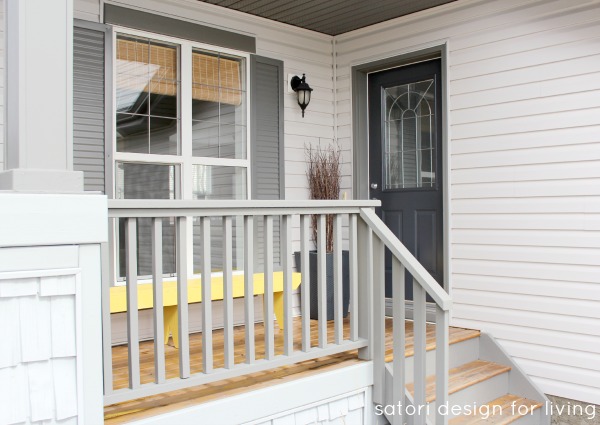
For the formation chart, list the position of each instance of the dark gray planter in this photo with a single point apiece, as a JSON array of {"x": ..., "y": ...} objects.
[{"x": 314, "y": 306}]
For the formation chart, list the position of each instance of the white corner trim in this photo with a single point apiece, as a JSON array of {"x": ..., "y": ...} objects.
[{"x": 79, "y": 321}]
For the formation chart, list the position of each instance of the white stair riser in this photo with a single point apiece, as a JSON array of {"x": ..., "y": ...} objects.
[{"x": 460, "y": 353}]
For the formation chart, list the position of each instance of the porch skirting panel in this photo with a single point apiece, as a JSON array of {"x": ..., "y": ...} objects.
[{"x": 341, "y": 394}]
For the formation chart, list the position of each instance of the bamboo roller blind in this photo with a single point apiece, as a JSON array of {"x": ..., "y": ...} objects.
[{"x": 214, "y": 79}]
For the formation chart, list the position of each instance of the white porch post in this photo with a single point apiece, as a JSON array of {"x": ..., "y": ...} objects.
[{"x": 39, "y": 80}]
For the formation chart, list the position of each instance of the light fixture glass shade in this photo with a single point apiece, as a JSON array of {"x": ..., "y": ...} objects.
[
  {"x": 304, "y": 97},
  {"x": 302, "y": 90}
]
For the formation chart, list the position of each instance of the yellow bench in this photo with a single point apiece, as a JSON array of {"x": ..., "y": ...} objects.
[{"x": 118, "y": 297}]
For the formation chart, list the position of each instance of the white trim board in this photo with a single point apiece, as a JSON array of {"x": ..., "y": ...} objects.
[{"x": 45, "y": 219}]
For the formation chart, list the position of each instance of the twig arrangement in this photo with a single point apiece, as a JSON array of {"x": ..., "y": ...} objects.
[{"x": 324, "y": 180}]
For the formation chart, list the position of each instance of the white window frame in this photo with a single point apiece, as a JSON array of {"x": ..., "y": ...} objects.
[{"x": 185, "y": 160}]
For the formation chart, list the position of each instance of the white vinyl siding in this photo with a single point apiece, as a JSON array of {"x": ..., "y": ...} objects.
[{"x": 524, "y": 87}]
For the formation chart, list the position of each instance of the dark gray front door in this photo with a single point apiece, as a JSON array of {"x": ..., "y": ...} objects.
[{"x": 405, "y": 161}]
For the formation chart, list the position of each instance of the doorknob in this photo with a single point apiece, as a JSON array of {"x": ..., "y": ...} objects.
[{"x": 374, "y": 186}]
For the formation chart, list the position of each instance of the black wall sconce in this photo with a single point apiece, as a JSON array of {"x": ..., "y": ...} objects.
[{"x": 303, "y": 91}]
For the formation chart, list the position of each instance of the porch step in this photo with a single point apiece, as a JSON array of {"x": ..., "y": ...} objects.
[
  {"x": 484, "y": 384},
  {"x": 513, "y": 409},
  {"x": 464, "y": 376},
  {"x": 464, "y": 347}
]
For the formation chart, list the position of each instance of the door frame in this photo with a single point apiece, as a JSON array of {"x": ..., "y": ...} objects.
[{"x": 360, "y": 132}]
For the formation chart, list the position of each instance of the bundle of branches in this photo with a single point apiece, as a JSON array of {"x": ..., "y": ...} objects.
[{"x": 324, "y": 179}]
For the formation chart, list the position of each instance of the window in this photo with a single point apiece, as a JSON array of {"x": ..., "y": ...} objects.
[
  {"x": 147, "y": 96},
  {"x": 409, "y": 149},
  {"x": 182, "y": 104},
  {"x": 181, "y": 131}
]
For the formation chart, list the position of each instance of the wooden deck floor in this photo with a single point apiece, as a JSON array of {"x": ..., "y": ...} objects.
[{"x": 154, "y": 405}]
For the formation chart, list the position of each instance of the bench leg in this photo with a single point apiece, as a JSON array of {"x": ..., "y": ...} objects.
[
  {"x": 171, "y": 324},
  {"x": 278, "y": 309}
]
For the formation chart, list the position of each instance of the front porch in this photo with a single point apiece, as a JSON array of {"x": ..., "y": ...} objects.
[
  {"x": 168, "y": 402},
  {"x": 439, "y": 365}
]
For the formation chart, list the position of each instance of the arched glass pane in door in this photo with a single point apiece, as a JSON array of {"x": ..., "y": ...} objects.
[{"x": 408, "y": 145}]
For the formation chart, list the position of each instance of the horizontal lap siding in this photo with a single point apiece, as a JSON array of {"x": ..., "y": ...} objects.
[{"x": 524, "y": 148}]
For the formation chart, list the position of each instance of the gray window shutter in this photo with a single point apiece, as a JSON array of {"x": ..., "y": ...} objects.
[
  {"x": 267, "y": 141},
  {"x": 267, "y": 128},
  {"x": 88, "y": 106}
]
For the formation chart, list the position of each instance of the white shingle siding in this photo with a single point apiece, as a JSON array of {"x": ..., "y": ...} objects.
[
  {"x": 38, "y": 365},
  {"x": 524, "y": 81}
]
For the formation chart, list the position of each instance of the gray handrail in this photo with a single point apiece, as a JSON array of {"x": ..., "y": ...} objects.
[
  {"x": 413, "y": 266},
  {"x": 174, "y": 208},
  {"x": 423, "y": 284}
]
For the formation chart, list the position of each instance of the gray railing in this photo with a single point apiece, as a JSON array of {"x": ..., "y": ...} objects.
[
  {"x": 377, "y": 236},
  {"x": 367, "y": 238}
]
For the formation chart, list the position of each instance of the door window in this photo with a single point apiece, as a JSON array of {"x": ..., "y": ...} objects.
[{"x": 408, "y": 145}]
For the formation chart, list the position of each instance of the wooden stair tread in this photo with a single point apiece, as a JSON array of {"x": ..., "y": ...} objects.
[
  {"x": 496, "y": 417},
  {"x": 463, "y": 376}
]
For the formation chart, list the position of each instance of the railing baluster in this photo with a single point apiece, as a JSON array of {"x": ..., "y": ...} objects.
[
  {"x": 337, "y": 280},
  {"x": 228, "y": 292},
  {"x": 378, "y": 339},
  {"x": 286, "y": 257},
  {"x": 399, "y": 336},
  {"x": 157, "y": 293},
  {"x": 268, "y": 280},
  {"x": 322, "y": 279},
  {"x": 107, "y": 277},
  {"x": 365, "y": 270},
  {"x": 133, "y": 341},
  {"x": 182, "y": 299},
  {"x": 205, "y": 269},
  {"x": 249, "y": 287},
  {"x": 305, "y": 287},
  {"x": 420, "y": 339},
  {"x": 353, "y": 266},
  {"x": 442, "y": 363}
]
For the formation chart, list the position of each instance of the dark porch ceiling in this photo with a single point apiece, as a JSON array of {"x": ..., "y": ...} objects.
[{"x": 331, "y": 17}]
